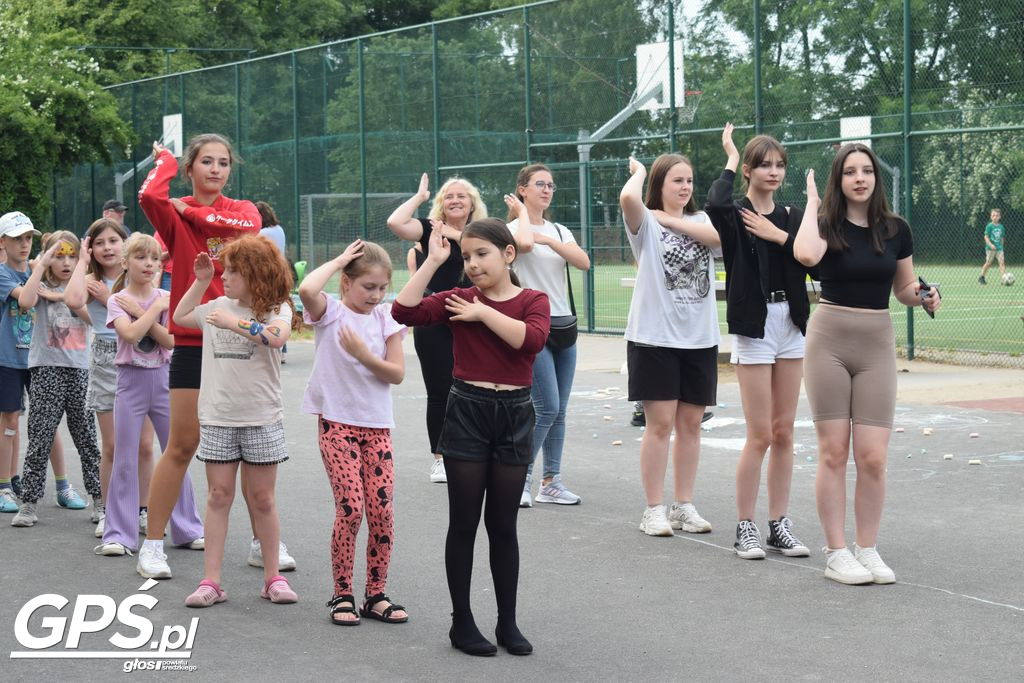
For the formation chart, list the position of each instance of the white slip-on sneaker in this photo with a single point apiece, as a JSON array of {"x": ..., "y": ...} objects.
[{"x": 872, "y": 561}]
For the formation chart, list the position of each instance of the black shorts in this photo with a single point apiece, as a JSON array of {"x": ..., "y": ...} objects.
[
  {"x": 485, "y": 424},
  {"x": 186, "y": 367},
  {"x": 659, "y": 373},
  {"x": 14, "y": 383}
]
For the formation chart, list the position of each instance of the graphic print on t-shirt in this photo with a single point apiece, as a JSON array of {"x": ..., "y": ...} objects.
[
  {"x": 66, "y": 330},
  {"x": 21, "y": 322},
  {"x": 685, "y": 263},
  {"x": 227, "y": 344}
]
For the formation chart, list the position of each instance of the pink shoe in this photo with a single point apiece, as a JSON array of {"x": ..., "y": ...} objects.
[
  {"x": 207, "y": 594},
  {"x": 278, "y": 591}
]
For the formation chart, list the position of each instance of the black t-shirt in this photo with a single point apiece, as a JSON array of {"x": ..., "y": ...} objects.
[
  {"x": 859, "y": 277},
  {"x": 451, "y": 274},
  {"x": 775, "y": 253}
]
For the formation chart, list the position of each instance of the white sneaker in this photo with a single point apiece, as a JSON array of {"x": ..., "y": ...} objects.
[
  {"x": 871, "y": 560},
  {"x": 526, "y": 500},
  {"x": 26, "y": 515},
  {"x": 842, "y": 566},
  {"x": 98, "y": 509},
  {"x": 684, "y": 516},
  {"x": 100, "y": 525},
  {"x": 143, "y": 522},
  {"x": 654, "y": 522},
  {"x": 152, "y": 564},
  {"x": 111, "y": 549},
  {"x": 437, "y": 473},
  {"x": 285, "y": 562}
]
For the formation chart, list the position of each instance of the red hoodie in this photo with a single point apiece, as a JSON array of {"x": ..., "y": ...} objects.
[{"x": 199, "y": 228}]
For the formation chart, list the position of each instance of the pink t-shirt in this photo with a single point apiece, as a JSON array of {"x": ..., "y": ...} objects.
[
  {"x": 147, "y": 352},
  {"x": 340, "y": 387}
]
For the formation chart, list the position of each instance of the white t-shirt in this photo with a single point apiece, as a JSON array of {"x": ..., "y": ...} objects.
[
  {"x": 674, "y": 298},
  {"x": 241, "y": 384},
  {"x": 543, "y": 269},
  {"x": 340, "y": 387}
]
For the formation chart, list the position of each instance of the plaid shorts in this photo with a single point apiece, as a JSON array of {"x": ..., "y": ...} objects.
[{"x": 262, "y": 445}]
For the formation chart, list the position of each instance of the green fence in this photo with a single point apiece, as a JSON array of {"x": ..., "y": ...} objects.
[{"x": 335, "y": 136}]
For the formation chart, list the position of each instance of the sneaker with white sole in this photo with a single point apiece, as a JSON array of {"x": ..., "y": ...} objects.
[
  {"x": 8, "y": 503},
  {"x": 748, "y": 541},
  {"x": 195, "y": 544},
  {"x": 555, "y": 492},
  {"x": 685, "y": 516},
  {"x": 869, "y": 557},
  {"x": 152, "y": 564},
  {"x": 69, "y": 498},
  {"x": 437, "y": 473},
  {"x": 285, "y": 562},
  {"x": 143, "y": 522},
  {"x": 98, "y": 509},
  {"x": 111, "y": 549},
  {"x": 26, "y": 515},
  {"x": 526, "y": 500},
  {"x": 842, "y": 566},
  {"x": 100, "y": 525},
  {"x": 655, "y": 523},
  {"x": 782, "y": 540}
]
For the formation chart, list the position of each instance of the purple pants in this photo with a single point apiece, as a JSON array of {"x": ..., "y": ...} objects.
[{"x": 142, "y": 392}]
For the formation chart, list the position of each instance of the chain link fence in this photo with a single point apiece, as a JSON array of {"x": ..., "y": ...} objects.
[{"x": 335, "y": 136}]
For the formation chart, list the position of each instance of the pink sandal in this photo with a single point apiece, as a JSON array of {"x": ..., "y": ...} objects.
[
  {"x": 278, "y": 591},
  {"x": 208, "y": 593}
]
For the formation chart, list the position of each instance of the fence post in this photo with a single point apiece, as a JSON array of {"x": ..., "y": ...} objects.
[
  {"x": 526, "y": 81},
  {"x": 362, "y": 137},
  {"x": 758, "y": 104},
  {"x": 672, "y": 118},
  {"x": 437, "y": 106},
  {"x": 295, "y": 147},
  {"x": 908, "y": 74}
]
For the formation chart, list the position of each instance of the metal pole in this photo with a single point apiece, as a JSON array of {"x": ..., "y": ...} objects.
[
  {"x": 758, "y": 114},
  {"x": 526, "y": 83},
  {"x": 908, "y": 56},
  {"x": 297, "y": 212},
  {"x": 435, "y": 89},
  {"x": 238, "y": 125},
  {"x": 362, "y": 136},
  {"x": 672, "y": 118}
]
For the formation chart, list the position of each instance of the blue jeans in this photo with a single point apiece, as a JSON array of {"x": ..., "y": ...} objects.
[{"x": 553, "y": 372}]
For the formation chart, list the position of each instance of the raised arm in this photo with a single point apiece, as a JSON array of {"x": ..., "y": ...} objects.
[
  {"x": 183, "y": 313},
  {"x": 154, "y": 194},
  {"x": 809, "y": 246},
  {"x": 440, "y": 248},
  {"x": 402, "y": 221},
  {"x": 313, "y": 284},
  {"x": 75, "y": 293},
  {"x": 28, "y": 296},
  {"x": 524, "y": 235},
  {"x": 631, "y": 196}
]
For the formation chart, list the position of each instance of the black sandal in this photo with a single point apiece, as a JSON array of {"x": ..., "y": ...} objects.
[
  {"x": 367, "y": 610},
  {"x": 338, "y": 606}
]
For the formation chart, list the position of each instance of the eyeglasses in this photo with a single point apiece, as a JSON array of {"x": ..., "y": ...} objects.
[{"x": 540, "y": 185}]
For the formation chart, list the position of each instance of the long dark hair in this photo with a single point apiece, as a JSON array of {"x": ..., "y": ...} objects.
[
  {"x": 882, "y": 222},
  {"x": 92, "y": 233},
  {"x": 267, "y": 214},
  {"x": 495, "y": 231},
  {"x": 656, "y": 179}
]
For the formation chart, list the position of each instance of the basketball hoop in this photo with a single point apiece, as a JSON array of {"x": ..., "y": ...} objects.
[{"x": 688, "y": 109}]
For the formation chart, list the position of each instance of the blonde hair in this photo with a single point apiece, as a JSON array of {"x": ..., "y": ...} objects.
[
  {"x": 478, "y": 209},
  {"x": 138, "y": 241},
  {"x": 51, "y": 238}
]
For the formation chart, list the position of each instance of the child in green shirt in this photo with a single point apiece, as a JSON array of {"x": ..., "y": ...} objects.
[{"x": 994, "y": 233}]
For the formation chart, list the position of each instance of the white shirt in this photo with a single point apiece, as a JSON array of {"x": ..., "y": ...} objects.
[
  {"x": 543, "y": 269},
  {"x": 674, "y": 298}
]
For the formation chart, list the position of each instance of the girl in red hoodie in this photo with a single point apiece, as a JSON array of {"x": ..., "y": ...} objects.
[{"x": 201, "y": 223}]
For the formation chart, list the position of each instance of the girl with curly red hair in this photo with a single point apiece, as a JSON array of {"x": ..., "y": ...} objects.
[{"x": 240, "y": 407}]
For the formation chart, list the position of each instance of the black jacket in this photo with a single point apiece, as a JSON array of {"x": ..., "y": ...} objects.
[{"x": 746, "y": 281}]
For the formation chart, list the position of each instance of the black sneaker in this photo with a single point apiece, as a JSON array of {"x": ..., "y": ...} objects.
[
  {"x": 638, "y": 419},
  {"x": 16, "y": 485},
  {"x": 707, "y": 416},
  {"x": 782, "y": 540},
  {"x": 748, "y": 541},
  {"x": 981, "y": 280}
]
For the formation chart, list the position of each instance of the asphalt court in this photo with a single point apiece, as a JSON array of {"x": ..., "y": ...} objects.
[{"x": 599, "y": 599}]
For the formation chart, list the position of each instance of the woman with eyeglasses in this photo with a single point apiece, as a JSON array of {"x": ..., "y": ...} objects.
[{"x": 545, "y": 249}]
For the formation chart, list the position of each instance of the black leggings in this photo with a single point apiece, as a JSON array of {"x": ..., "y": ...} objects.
[
  {"x": 468, "y": 481},
  {"x": 434, "y": 349}
]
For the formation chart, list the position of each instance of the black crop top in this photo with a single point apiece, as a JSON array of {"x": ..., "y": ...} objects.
[{"x": 859, "y": 277}]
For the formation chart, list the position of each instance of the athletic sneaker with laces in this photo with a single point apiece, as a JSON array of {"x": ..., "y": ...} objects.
[
  {"x": 639, "y": 419},
  {"x": 26, "y": 515},
  {"x": 437, "y": 473},
  {"x": 143, "y": 522},
  {"x": 111, "y": 549},
  {"x": 285, "y": 562},
  {"x": 278, "y": 591},
  {"x": 872, "y": 561},
  {"x": 655, "y": 523},
  {"x": 98, "y": 509},
  {"x": 152, "y": 563},
  {"x": 8, "y": 503},
  {"x": 100, "y": 525},
  {"x": 748, "y": 541},
  {"x": 842, "y": 566},
  {"x": 69, "y": 498},
  {"x": 685, "y": 516},
  {"x": 782, "y": 540},
  {"x": 526, "y": 500},
  {"x": 555, "y": 492}
]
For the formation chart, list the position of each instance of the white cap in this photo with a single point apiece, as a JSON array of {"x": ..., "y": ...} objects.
[{"x": 15, "y": 224}]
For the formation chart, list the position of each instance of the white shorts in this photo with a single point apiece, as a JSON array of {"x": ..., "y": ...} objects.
[{"x": 782, "y": 339}]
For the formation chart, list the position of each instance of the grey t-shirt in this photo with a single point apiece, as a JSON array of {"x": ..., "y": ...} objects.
[{"x": 59, "y": 338}]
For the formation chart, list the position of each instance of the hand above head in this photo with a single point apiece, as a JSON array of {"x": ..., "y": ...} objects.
[
  {"x": 636, "y": 167},
  {"x": 203, "y": 267},
  {"x": 85, "y": 252},
  {"x": 465, "y": 311},
  {"x": 351, "y": 253},
  {"x": 812, "y": 188},
  {"x": 440, "y": 247},
  {"x": 157, "y": 149},
  {"x": 423, "y": 193},
  {"x": 727, "y": 144},
  {"x": 45, "y": 259}
]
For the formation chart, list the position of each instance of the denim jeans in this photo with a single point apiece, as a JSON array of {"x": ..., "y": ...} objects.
[{"x": 553, "y": 373}]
